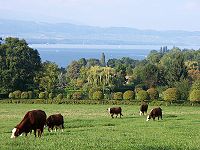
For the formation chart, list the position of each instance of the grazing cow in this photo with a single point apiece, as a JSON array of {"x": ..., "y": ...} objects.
[
  {"x": 33, "y": 120},
  {"x": 156, "y": 112},
  {"x": 115, "y": 110},
  {"x": 143, "y": 108},
  {"x": 55, "y": 121}
]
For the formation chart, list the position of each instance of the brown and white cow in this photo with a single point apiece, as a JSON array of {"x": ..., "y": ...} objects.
[
  {"x": 143, "y": 108},
  {"x": 56, "y": 121},
  {"x": 156, "y": 112},
  {"x": 33, "y": 120},
  {"x": 116, "y": 111}
]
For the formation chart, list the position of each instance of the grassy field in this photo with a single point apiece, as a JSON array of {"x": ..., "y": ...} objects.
[{"x": 91, "y": 127}]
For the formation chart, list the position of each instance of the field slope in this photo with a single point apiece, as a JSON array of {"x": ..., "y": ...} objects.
[{"x": 91, "y": 127}]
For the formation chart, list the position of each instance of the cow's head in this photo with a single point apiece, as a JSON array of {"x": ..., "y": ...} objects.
[
  {"x": 15, "y": 133},
  {"x": 148, "y": 118}
]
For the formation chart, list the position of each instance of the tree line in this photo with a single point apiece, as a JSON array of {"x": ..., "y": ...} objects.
[{"x": 167, "y": 74}]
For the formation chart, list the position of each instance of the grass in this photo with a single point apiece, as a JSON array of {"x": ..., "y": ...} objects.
[{"x": 91, "y": 127}]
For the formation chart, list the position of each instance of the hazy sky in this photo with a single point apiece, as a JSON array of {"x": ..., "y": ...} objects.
[{"x": 142, "y": 14}]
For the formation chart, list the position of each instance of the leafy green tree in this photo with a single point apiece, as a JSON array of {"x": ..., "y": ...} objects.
[
  {"x": 48, "y": 79},
  {"x": 153, "y": 93},
  {"x": 118, "y": 96},
  {"x": 19, "y": 65},
  {"x": 98, "y": 95},
  {"x": 183, "y": 87}
]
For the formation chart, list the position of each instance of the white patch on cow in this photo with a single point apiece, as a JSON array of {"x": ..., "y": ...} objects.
[
  {"x": 109, "y": 110},
  {"x": 13, "y": 133},
  {"x": 62, "y": 130},
  {"x": 55, "y": 129},
  {"x": 140, "y": 113},
  {"x": 147, "y": 118}
]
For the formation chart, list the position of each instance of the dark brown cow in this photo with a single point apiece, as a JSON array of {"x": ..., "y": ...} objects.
[
  {"x": 143, "y": 108},
  {"x": 55, "y": 121},
  {"x": 33, "y": 120},
  {"x": 115, "y": 110},
  {"x": 156, "y": 112}
]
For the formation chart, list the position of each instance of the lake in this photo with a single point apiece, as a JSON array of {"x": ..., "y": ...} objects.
[{"x": 64, "y": 54}]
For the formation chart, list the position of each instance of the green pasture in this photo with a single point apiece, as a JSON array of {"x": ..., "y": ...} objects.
[{"x": 90, "y": 127}]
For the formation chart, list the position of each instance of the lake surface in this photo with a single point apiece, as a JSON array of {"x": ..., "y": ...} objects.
[{"x": 64, "y": 54}]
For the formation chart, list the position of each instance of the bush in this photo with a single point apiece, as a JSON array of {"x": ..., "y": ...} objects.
[
  {"x": 60, "y": 96},
  {"x": 30, "y": 94},
  {"x": 98, "y": 95},
  {"x": 51, "y": 95},
  {"x": 195, "y": 95},
  {"x": 11, "y": 95},
  {"x": 42, "y": 95},
  {"x": 196, "y": 85},
  {"x": 128, "y": 95},
  {"x": 171, "y": 94},
  {"x": 142, "y": 95},
  {"x": 17, "y": 94},
  {"x": 77, "y": 96},
  {"x": 92, "y": 90},
  {"x": 118, "y": 96},
  {"x": 153, "y": 93},
  {"x": 24, "y": 95}
]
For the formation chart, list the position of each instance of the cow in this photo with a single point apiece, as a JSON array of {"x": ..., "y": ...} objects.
[
  {"x": 33, "y": 120},
  {"x": 56, "y": 121},
  {"x": 115, "y": 110},
  {"x": 143, "y": 108},
  {"x": 156, "y": 112}
]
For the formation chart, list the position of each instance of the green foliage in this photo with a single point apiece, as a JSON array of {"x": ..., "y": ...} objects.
[
  {"x": 92, "y": 90},
  {"x": 51, "y": 95},
  {"x": 171, "y": 94},
  {"x": 60, "y": 96},
  {"x": 183, "y": 88},
  {"x": 153, "y": 93},
  {"x": 17, "y": 94},
  {"x": 142, "y": 95},
  {"x": 24, "y": 95},
  {"x": 195, "y": 95},
  {"x": 11, "y": 95},
  {"x": 30, "y": 94},
  {"x": 118, "y": 96},
  {"x": 196, "y": 85},
  {"x": 42, "y": 95},
  {"x": 128, "y": 95},
  {"x": 77, "y": 96},
  {"x": 98, "y": 95}
]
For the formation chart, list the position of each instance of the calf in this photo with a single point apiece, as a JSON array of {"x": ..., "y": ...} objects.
[
  {"x": 56, "y": 121},
  {"x": 115, "y": 110},
  {"x": 33, "y": 120},
  {"x": 156, "y": 112},
  {"x": 143, "y": 108}
]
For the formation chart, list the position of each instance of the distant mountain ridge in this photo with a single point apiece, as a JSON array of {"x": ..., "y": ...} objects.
[{"x": 66, "y": 33}]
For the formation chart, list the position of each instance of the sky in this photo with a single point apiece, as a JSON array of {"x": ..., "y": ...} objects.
[{"x": 141, "y": 14}]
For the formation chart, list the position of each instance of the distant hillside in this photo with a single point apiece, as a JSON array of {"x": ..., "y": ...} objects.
[{"x": 41, "y": 32}]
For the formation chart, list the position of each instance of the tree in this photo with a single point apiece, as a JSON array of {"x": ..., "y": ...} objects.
[
  {"x": 103, "y": 60},
  {"x": 128, "y": 95},
  {"x": 171, "y": 94},
  {"x": 19, "y": 65},
  {"x": 142, "y": 95},
  {"x": 48, "y": 79},
  {"x": 195, "y": 95}
]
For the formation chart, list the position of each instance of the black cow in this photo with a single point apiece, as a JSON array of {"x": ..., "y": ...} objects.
[{"x": 143, "y": 108}]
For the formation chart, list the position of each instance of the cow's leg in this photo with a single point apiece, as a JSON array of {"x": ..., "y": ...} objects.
[
  {"x": 153, "y": 118},
  {"x": 161, "y": 117},
  {"x": 35, "y": 132},
  {"x": 116, "y": 115},
  {"x": 112, "y": 115}
]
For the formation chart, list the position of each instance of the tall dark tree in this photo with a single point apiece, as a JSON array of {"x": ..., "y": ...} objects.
[{"x": 103, "y": 60}]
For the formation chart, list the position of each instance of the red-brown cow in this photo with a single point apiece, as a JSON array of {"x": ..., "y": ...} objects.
[
  {"x": 33, "y": 120},
  {"x": 156, "y": 112},
  {"x": 115, "y": 110},
  {"x": 56, "y": 121}
]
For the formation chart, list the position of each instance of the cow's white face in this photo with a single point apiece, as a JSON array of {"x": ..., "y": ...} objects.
[
  {"x": 108, "y": 110},
  {"x": 148, "y": 118},
  {"x": 140, "y": 113},
  {"x": 13, "y": 133}
]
